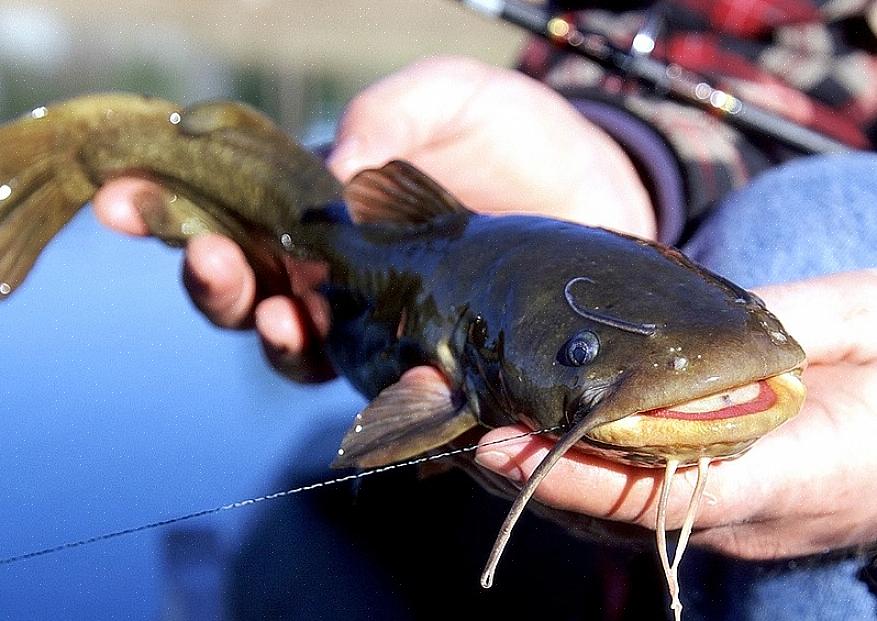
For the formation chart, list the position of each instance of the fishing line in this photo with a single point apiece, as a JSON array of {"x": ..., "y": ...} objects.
[{"x": 9, "y": 560}]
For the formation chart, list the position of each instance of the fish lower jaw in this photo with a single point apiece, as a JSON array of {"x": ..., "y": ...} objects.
[{"x": 720, "y": 426}]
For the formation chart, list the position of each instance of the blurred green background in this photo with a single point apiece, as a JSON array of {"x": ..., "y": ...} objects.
[{"x": 298, "y": 60}]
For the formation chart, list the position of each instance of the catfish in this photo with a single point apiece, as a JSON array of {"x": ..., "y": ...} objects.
[{"x": 446, "y": 319}]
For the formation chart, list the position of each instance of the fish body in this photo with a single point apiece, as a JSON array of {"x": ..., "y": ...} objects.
[
  {"x": 444, "y": 318},
  {"x": 476, "y": 308},
  {"x": 413, "y": 278}
]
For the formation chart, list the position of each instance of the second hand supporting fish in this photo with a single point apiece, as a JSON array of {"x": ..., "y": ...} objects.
[{"x": 437, "y": 313}]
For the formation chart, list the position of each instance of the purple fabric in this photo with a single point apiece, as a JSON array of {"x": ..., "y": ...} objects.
[{"x": 653, "y": 158}]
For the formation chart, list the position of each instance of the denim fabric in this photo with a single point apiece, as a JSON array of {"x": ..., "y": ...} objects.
[{"x": 810, "y": 217}]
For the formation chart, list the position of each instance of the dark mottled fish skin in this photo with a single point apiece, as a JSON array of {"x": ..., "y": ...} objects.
[
  {"x": 490, "y": 289},
  {"x": 413, "y": 277},
  {"x": 445, "y": 319}
]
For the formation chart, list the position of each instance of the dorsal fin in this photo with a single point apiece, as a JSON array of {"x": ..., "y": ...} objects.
[
  {"x": 398, "y": 193},
  {"x": 211, "y": 116}
]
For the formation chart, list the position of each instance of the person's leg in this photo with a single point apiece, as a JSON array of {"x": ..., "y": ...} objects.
[{"x": 810, "y": 217}]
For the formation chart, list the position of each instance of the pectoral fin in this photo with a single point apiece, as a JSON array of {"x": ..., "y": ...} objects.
[{"x": 414, "y": 415}]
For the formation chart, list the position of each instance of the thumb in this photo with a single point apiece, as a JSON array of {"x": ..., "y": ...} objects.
[{"x": 832, "y": 317}]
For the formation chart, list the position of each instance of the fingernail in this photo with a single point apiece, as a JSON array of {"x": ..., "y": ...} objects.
[
  {"x": 214, "y": 279},
  {"x": 501, "y": 464},
  {"x": 202, "y": 267},
  {"x": 276, "y": 322}
]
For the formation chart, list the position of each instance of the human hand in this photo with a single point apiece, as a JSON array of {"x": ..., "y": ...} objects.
[
  {"x": 498, "y": 140},
  {"x": 223, "y": 285},
  {"x": 805, "y": 488}
]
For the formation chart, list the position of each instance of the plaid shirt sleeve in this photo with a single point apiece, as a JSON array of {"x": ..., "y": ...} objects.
[{"x": 814, "y": 62}]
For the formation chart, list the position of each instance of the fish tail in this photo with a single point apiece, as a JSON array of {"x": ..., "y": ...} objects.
[
  {"x": 226, "y": 168},
  {"x": 40, "y": 190}
]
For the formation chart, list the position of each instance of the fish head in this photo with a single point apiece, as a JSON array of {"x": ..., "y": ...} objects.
[{"x": 664, "y": 358}]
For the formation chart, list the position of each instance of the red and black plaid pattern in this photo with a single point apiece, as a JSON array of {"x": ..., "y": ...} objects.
[{"x": 813, "y": 62}]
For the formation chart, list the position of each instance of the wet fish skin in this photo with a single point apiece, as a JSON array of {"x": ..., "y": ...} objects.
[
  {"x": 225, "y": 159},
  {"x": 710, "y": 334},
  {"x": 413, "y": 278},
  {"x": 443, "y": 318}
]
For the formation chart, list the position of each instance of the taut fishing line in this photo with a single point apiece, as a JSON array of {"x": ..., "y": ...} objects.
[{"x": 9, "y": 560}]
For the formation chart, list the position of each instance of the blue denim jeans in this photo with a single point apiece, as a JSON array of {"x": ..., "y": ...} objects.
[{"x": 810, "y": 217}]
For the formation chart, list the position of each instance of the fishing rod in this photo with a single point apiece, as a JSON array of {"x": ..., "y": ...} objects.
[{"x": 637, "y": 62}]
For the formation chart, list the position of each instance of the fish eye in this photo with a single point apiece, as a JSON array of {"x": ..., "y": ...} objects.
[{"x": 580, "y": 349}]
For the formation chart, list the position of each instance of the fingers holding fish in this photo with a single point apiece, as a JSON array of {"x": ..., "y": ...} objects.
[
  {"x": 809, "y": 486},
  {"x": 799, "y": 490},
  {"x": 223, "y": 286},
  {"x": 115, "y": 204},
  {"x": 588, "y": 484},
  {"x": 833, "y": 316},
  {"x": 292, "y": 331},
  {"x": 583, "y": 482},
  {"x": 805, "y": 488},
  {"x": 220, "y": 281}
]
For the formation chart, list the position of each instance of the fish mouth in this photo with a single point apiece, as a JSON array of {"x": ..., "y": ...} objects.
[{"x": 720, "y": 425}]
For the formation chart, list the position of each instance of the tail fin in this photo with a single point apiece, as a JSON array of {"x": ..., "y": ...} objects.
[
  {"x": 39, "y": 193},
  {"x": 230, "y": 169}
]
